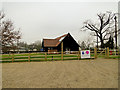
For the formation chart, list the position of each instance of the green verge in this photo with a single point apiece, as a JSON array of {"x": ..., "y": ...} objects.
[{"x": 50, "y": 57}]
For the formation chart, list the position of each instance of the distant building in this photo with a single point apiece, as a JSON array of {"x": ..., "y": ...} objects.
[{"x": 69, "y": 44}]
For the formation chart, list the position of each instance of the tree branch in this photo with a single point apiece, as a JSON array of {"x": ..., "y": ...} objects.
[
  {"x": 107, "y": 29},
  {"x": 106, "y": 35}
]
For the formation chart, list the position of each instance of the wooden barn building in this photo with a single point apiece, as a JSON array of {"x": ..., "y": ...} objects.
[{"x": 54, "y": 45}]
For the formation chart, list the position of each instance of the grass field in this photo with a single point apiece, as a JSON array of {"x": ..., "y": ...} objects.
[
  {"x": 94, "y": 73},
  {"x": 37, "y": 56},
  {"x": 24, "y": 57}
]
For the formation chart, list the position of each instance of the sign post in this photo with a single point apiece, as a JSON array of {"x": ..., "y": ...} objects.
[{"x": 95, "y": 52}]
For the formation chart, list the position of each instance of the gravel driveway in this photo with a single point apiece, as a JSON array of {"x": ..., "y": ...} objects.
[{"x": 99, "y": 73}]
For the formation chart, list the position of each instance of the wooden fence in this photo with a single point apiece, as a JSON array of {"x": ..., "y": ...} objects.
[
  {"x": 45, "y": 56},
  {"x": 108, "y": 53}
]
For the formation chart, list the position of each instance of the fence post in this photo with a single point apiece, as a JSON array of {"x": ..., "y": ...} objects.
[
  {"x": 62, "y": 51},
  {"x": 107, "y": 52},
  {"x": 12, "y": 57},
  {"x": 78, "y": 55},
  {"x": 115, "y": 51},
  {"x": 95, "y": 52},
  {"x": 119, "y": 53},
  {"x": 29, "y": 57},
  {"x": 45, "y": 56}
]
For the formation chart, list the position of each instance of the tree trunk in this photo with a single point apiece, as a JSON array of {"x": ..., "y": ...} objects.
[{"x": 102, "y": 44}]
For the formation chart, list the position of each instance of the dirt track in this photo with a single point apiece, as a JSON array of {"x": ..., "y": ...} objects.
[{"x": 61, "y": 74}]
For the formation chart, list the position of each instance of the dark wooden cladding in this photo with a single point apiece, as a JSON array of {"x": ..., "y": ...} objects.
[{"x": 69, "y": 44}]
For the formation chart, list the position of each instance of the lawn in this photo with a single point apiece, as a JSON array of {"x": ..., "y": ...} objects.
[
  {"x": 24, "y": 57},
  {"x": 36, "y": 57}
]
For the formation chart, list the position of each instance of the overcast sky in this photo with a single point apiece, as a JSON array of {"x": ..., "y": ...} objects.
[{"x": 39, "y": 20}]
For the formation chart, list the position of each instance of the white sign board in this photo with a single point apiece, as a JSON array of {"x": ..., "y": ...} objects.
[{"x": 85, "y": 54}]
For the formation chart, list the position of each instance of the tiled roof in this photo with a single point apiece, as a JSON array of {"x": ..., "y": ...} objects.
[
  {"x": 61, "y": 36},
  {"x": 53, "y": 42}
]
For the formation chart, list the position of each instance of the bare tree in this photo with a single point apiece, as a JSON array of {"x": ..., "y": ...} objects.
[
  {"x": 87, "y": 43},
  {"x": 103, "y": 28},
  {"x": 23, "y": 45},
  {"x": 36, "y": 45},
  {"x": 9, "y": 36},
  {"x": 83, "y": 45}
]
